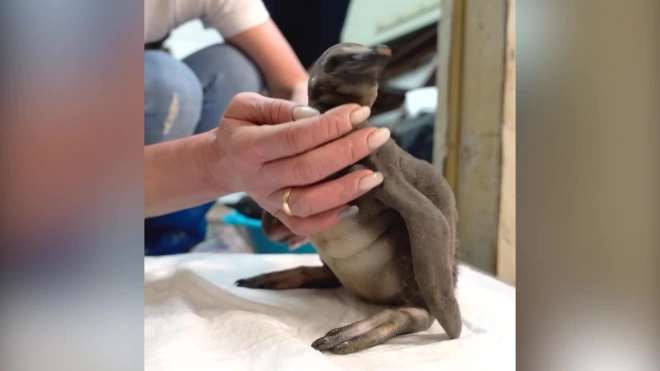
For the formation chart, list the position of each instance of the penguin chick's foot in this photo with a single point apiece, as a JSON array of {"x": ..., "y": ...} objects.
[
  {"x": 296, "y": 278},
  {"x": 375, "y": 330}
]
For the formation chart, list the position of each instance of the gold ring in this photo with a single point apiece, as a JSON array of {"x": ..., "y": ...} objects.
[{"x": 285, "y": 201}]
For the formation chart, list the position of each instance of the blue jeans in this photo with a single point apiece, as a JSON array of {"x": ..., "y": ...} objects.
[{"x": 182, "y": 98}]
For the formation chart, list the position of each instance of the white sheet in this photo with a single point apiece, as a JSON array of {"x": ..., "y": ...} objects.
[{"x": 196, "y": 319}]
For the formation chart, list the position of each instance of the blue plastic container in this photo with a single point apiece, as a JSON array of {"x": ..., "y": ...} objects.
[{"x": 261, "y": 244}]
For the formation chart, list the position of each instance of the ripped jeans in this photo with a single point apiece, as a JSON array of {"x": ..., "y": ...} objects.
[{"x": 182, "y": 98}]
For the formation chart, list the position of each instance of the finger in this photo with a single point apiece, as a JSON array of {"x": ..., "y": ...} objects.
[
  {"x": 316, "y": 223},
  {"x": 296, "y": 242},
  {"x": 310, "y": 200},
  {"x": 256, "y": 109},
  {"x": 318, "y": 164},
  {"x": 293, "y": 138}
]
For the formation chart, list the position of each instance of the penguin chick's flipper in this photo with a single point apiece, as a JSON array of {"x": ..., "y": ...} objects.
[
  {"x": 431, "y": 239},
  {"x": 296, "y": 278},
  {"x": 375, "y": 330}
]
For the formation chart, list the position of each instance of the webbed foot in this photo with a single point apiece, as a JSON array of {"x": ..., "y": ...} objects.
[
  {"x": 375, "y": 330},
  {"x": 296, "y": 278}
]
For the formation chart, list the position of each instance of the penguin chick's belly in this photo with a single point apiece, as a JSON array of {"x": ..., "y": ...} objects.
[{"x": 363, "y": 257}]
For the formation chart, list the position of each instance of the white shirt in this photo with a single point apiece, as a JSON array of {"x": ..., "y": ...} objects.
[{"x": 229, "y": 17}]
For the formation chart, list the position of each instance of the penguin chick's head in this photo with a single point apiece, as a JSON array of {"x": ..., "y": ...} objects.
[{"x": 347, "y": 73}]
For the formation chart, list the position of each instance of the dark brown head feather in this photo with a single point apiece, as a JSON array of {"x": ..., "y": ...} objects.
[{"x": 346, "y": 73}]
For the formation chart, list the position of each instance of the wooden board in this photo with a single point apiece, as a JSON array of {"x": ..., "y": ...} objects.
[
  {"x": 479, "y": 162},
  {"x": 448, "y": 81},
  {"x": 506, "y": 242}
]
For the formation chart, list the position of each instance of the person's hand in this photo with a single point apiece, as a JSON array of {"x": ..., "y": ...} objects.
[{"x": 263, "y": 146}]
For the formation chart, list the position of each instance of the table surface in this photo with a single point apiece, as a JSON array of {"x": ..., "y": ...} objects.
[{"x": 195, "y": 318}]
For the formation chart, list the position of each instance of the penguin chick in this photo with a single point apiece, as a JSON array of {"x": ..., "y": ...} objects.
[{"x": 400, "y": 249}]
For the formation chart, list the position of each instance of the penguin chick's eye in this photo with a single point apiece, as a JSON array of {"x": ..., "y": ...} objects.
[{"x": 333, "y": 62}]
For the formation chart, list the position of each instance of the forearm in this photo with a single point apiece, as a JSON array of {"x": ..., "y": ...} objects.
[
  {"x": 176, "y": 177},
  {"x": 272, "y": 53}
]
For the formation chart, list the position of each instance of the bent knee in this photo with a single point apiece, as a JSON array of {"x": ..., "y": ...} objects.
[
  {"x": 234, "y": 70},
  {"x": 166, "y": 80},
  {"x": 172, "y": 98}
]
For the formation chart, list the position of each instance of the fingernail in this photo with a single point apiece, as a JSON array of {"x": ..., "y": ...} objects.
[
  {"x": 370, "y": 181},
  {"x": 303, "y": 112},
  {"x": 359, "y": 115},
  {"x": 378, "y": 138},
  {"x": 349, "y": 212}
]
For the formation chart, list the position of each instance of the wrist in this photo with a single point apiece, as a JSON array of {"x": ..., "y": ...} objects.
[
  {"x": 182, "y": 173},
  {"x": 211, "y": 161}
]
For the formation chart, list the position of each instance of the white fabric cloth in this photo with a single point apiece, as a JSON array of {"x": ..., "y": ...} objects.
[
  {"x": 196, "y": 319},
  {"x": 229, "y": 17}
]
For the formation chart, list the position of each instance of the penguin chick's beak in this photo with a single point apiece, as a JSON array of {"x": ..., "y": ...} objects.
[
  {"x": 380, "y": 54},
  {"x": 382, "y": 50}
]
